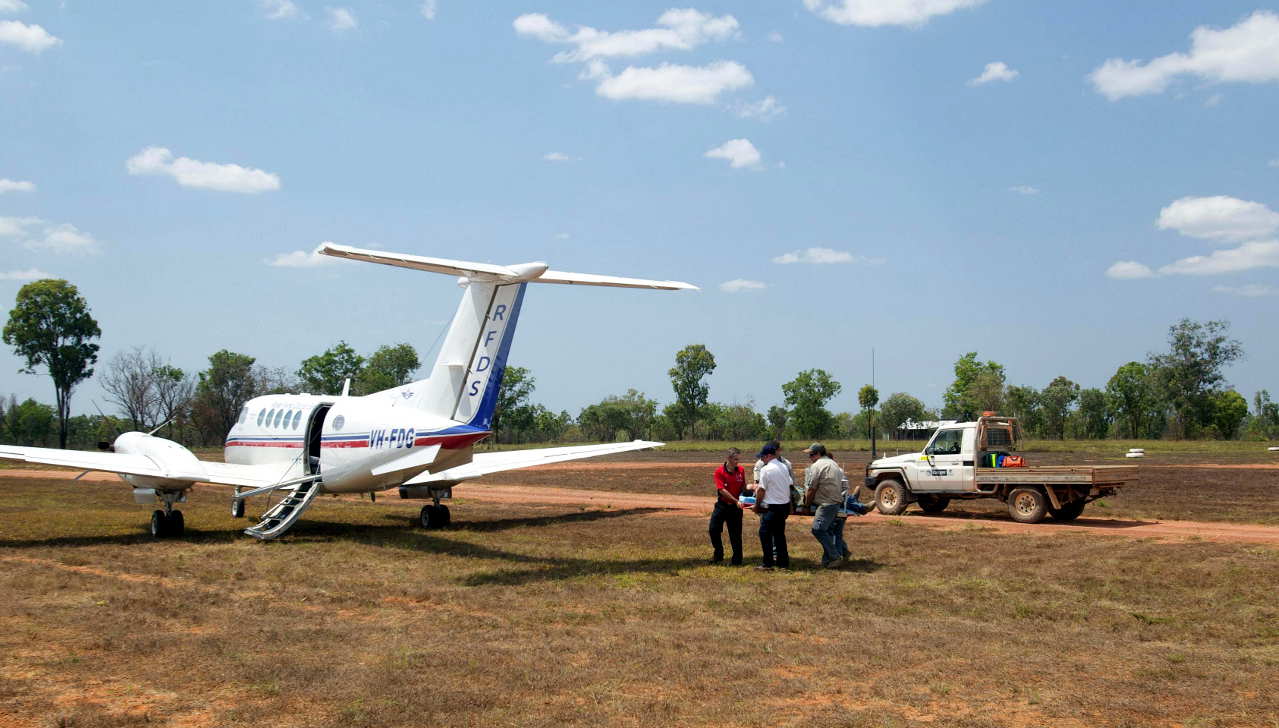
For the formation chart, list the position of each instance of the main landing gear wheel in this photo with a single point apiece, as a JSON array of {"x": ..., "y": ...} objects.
[
  {"x": 237, "y": 509},
  {"x": 170, "y": 525},
  {"x": 433, "y": 517}
]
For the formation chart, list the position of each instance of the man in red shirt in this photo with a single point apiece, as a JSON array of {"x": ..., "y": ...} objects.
[{"x": 730, "y": 481}]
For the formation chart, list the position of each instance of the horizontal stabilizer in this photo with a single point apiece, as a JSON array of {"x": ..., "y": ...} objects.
[
  {"x": 496, "y": 462},
  {"x": 531, "y": 272}
]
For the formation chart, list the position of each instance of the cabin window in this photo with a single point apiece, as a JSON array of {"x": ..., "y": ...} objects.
[
  {"x": 297, "y": 418},
  {"x": 278, "y": 415},
  {"x": 338, "y": 422},
  {"x": 947, "y": 442},
  {"x": 261, "y": 415}
]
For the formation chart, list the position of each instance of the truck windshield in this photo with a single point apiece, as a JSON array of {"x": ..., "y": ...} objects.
[{"x": 947, "y": 442}]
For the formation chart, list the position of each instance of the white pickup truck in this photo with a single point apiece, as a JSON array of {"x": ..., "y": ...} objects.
[{"x": 957, "y": 464}]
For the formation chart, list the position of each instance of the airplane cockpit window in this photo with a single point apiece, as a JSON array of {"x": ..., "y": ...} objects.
[
  {"x": 261, "y": 415},
  {"x": 244, "y": 414}
]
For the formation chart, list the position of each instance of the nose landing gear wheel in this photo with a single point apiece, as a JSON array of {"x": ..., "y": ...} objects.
[{"x": 159, "y": 524}]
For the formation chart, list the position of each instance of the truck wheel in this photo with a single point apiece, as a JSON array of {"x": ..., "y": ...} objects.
[
  {"x": 891, "y": 497},
  {"x": 1027, "y": 505},
  {"x": 1068, "y": 512},
  {"x": 933, "y": 503}
]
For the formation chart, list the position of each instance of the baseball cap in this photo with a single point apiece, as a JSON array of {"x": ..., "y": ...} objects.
[
  {"x": 768, "y": 449},
  {"x": 815, "y": 449}
]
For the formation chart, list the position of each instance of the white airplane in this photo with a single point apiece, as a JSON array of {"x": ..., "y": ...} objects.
[{"x": 418, "y": 437}]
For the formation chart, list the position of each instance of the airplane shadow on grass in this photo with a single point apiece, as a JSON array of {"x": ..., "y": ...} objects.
[{"x": 403, "y": 535}]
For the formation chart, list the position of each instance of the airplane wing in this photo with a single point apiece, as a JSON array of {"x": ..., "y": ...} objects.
[
  {"x": 496, "y": 462},
  {"x": 252, "y": 476},
  {"x": 84, "y": 459}
]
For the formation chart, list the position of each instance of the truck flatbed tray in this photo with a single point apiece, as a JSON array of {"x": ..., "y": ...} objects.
[{"x": 1090, "y": 474}]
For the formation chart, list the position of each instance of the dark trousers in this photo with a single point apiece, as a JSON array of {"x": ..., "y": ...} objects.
[
  {"x": 772, "y": 536},
  {"x": 731, "y": 516}
]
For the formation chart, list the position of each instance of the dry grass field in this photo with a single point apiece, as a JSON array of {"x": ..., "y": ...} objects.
[{"x": 526, "y": 614}]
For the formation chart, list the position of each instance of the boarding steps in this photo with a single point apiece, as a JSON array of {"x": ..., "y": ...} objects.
[{"x": 281, "y": 517}]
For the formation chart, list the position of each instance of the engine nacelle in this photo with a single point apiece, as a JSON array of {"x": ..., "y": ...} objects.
[{"x": 174, "y": 460}]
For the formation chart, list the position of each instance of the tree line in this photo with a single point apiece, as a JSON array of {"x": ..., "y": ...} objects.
[{"x": 1179, "y": 393}]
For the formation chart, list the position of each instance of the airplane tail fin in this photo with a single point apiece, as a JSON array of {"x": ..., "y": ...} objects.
[{"x": 464, "y": 382}]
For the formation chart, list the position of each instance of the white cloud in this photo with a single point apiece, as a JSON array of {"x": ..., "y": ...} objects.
[
  {"x": 428, "y": 9},
  {"x": 775, "y": 37},
  {"x": 1024, "y": 189},
  {"x": 1273, "y": 163},
  {"x": 14, "y": 185},
  {"x": 996, "y": 71},
  {"x": 202, "y": 175},
  {"x": 765, "y": 109},
  {"x": 1127, "y": 270},
  {"x": 740, "y": 284},
  {"x": 1213, "y": 101},
  {"x": 341, "y": 19},
  {"x": 1244, "y": 53},
  {"x": 875, "y": 13},
  {"x": 1219, "y": 218},
  {"x": 675, "y": 83},
  {"x": 557, "y": 157},
  {"x": 562, "y": 236},
  {"x": 36, "y": 234},
  {"x": 30, "y": 38},
  {"x": 823, "y": 256},
  {"x": 301, "y": 259},
  {"x": 280, "y": 9},
  {"x": 1251, "y": 290},
  {"x": 1246, "y": 257},
  {"x": 30, "y": 274},
  {"x": 679, "y": 30},
  {"x": 12, "y": 6},
  {"x": 739, "y": 153}
]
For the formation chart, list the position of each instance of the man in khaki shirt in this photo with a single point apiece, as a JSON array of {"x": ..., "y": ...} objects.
[{"x": 823, "y": 491}]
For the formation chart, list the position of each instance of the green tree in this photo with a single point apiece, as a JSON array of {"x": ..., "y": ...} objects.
[
  {"x": 733, "y": 422},
  {"x": 1025, "y": 404},
  {"x": 1229, "y": 409},
  {"x": 50, "y": 326},
  {"x": 777, "y": 417},
  {"x": 693, "y": 364},
  {"x": 867, "y": 398},
  {"x": 30, "y": 423},
  {"x": 1094, "y": 414},
  {"x": 1265, "y": 416},
  {"x": 1057, "y": 398},
  {"x": 977, "y": 388},
  {"x": 1190, "y": 373},
  {"x": 632, "y": 413},
  {"x": 221, "y": 392},
  {"x": 1132, "y": 398},
  {"x": 514, "y": 413},
  {"x": 807, "y": 395},
  {"x": 325, "y": 373},
  {"x": 898, "y": 408},
  {"x": 387, "y": 368}
]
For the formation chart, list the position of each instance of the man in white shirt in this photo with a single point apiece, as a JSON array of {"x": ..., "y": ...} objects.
[{"x": 773, "y": 500}]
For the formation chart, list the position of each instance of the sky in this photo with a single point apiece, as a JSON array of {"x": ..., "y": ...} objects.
[{"x": 1051, "y": 185}]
